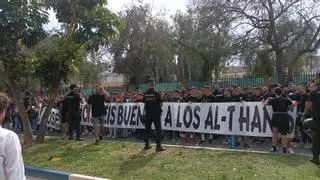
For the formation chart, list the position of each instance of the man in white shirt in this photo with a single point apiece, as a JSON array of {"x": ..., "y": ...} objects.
[{"x": 11, "y": 162}]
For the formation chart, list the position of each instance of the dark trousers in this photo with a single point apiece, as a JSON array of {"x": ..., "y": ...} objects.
[
  {"x": 74, "y": 124},
  {"x": 153, "y": 118},
  {"x": 316, "y": 143}
]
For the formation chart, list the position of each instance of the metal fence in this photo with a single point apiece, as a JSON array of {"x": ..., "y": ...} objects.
[
  {"x": 242, "y": 81},
  {"x": 251, "y": 81}
]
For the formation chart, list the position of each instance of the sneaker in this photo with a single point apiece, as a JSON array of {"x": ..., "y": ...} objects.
[
  {"x": 100, "y": 138},
  {"x": 96, "y": 143},
  {"x": 273, "y": 150},
  {"x": 70, "y": 138},
  {"x": 147, "y": 147},
  {"x": 227, "y": 141},
  {"x": 284, "y": 151},
  {"x": 78, "y": 139},
  {"x": 160, "y": 149},
  {"x": 290, "y": 151},
  {"x": 201, "y": 142},
  {"x": 246, "y": 145}
]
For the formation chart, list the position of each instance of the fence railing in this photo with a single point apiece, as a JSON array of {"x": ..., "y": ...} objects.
[{"x": 242, "y": 81}]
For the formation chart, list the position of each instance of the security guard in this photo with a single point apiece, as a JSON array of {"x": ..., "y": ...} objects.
[
  {"x": 72, "y": 105},
  {"x": 314, "y": 105},
  {"x": 153, "y": 108}
]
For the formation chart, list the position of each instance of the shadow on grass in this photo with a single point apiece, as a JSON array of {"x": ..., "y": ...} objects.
[{"x": 136, "y": 162}]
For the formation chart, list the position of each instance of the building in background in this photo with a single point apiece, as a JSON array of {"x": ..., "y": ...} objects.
[
  {"x": 113, "y": 80},
  {"x": 233, "y": 71}
]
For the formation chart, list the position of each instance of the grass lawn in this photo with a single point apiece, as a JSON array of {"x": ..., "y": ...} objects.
[{"x": 118, "y": 160}]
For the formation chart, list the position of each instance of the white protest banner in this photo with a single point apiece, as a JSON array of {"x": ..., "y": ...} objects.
[{"x": 244, "y": 119}]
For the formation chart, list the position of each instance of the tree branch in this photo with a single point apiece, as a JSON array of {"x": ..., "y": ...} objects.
[{"x": 285, "y": 8}]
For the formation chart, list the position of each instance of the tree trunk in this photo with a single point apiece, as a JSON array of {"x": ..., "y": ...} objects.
[
  {"x": 189, "y": 73},
  {"x": 46, "y": 115},
  {"x": 290, "y": 74},
  {"x": 216, "y": 75},
  {"x": 266, "y": 81},
  {"x": 280, "y": 68},
  {"x": 182, "y": 70},
  {"x": 41, "y": 88},
  {"x": 28, "y": 138}
]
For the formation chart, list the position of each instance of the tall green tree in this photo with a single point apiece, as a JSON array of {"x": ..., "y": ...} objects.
[
  {"x": 185, "y": 38},
  {"x": 89, "y": 25},
  {"x": 203, "y": 36},
  {"x": 215, "y": 36},
  {"x": 143, "y": 48},
  {"x": 21, "y": 27}
]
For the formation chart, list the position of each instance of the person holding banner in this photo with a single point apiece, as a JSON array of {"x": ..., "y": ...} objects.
[
  {"x": 313, "y": 104},
  {"x": 207, "y": 97},
  {"x": 153, "y": 109},
  {"x": 97, "y": 111},
  {"x": 280, "y": 119},
  {"x": 192, "y": 98}
]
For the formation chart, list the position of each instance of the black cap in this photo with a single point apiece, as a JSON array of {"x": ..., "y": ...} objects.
[{"x": 72, "y": 86}]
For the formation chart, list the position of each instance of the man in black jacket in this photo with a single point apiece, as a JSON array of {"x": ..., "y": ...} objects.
[
  {"x": 72, "y": 104},
  {"x": 153, "y": 108},
  {"x": 313, "y": 104}
]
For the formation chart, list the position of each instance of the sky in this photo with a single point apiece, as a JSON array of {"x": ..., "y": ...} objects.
[{"x": 171, "y": 6}]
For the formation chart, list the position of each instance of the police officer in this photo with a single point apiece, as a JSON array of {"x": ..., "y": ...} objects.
[
  {"x": 72, "y": 105},
  {"x": 153, "y": 108},
  {"x": 314, "y": 104}
]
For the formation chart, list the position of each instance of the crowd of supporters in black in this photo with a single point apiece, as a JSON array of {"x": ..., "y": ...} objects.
[{"x": 216, "y": 94}]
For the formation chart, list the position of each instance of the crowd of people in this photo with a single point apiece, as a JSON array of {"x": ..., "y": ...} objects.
[{"x": 216, "y": 94}]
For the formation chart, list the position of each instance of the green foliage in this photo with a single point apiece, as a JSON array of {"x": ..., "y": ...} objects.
[
  {"x": 20, "y": 28},
  {"x": 90, "y": 73},
  {"x": 89, "y": 26},
  {"x": 144, "y": 46},
  {"x": 204, "y": 40},
  {"x": 87, "y": 22},
  {"x": 263, "y": 65},
  {"x": 57, "y": 57}
]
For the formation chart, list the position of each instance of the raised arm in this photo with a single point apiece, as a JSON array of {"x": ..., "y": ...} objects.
[{"x": 106, "y": 95}]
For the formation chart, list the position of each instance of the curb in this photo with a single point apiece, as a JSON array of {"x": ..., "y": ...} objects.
[{"x": 56, "y": 175}]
